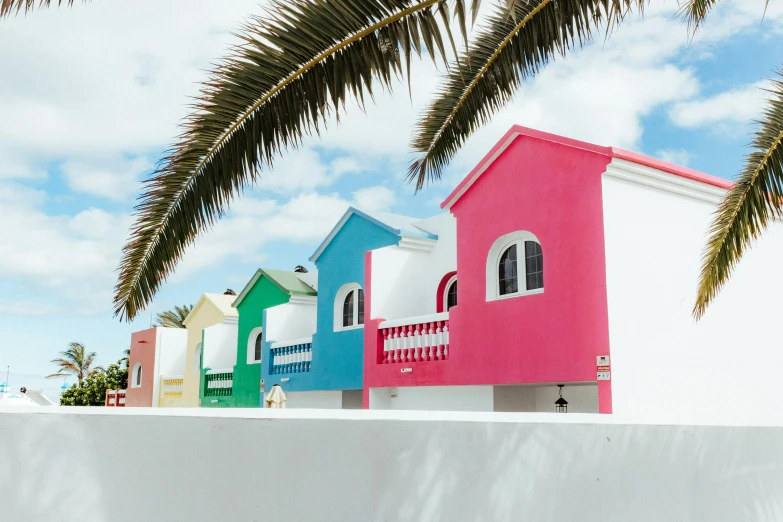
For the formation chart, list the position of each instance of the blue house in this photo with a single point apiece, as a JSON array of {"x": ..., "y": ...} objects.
[{"x": 332, "y": 360}]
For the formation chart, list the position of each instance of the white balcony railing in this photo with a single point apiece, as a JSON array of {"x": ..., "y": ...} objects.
[
  {"x": 294, "y": 356},
  {"x": 415, "y": 339}
]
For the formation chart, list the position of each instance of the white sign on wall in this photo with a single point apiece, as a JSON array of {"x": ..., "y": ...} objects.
[{"x": 603, "y": 368}]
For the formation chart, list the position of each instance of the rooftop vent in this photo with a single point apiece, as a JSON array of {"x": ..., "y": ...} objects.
[
  {"x": 300, "y": 269},
  {"x": 229, "y": 292}
]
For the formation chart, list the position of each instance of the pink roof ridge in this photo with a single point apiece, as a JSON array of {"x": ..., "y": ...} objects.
[{"x": 612, "y": 152}]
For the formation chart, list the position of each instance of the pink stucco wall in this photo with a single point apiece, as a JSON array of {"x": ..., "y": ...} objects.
[
  {"x": 553, "y": 190},
  {"x": 142, "y": 351}
]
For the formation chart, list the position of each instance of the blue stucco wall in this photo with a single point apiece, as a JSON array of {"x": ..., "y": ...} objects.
[{"x": 338, "y": 357}]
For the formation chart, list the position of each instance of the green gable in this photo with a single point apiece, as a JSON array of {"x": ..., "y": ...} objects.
[{"x": 288, "y": 282}]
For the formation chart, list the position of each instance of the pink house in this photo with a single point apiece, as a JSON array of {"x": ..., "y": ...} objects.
[
  {"x": 563, "y": 263},
  {"x": 154, "y": 353}
]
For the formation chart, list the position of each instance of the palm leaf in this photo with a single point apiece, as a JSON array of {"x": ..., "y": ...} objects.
[
  {"x": 173, "y": 318},
  {"x": 748, "y": 208},
  {"x": 695, "y": 11},
  {"x": 506, "y": 51},
  {"x": 294, "y": 70},
  {"x": 8, "y": 7}
]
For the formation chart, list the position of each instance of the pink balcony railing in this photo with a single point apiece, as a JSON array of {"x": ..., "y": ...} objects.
[
  {"x": 415, "y": 339},
  {"x": 115, "y": 398}
]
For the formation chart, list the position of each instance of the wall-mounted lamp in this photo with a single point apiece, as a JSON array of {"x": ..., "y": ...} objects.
[{"x": 561, "y": 405}]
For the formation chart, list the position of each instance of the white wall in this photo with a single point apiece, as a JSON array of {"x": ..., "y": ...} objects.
[
  {"x": 405, "y": 282},
  {"x": 293, "y": 320},
  {"x": 220, "y": 346},
  {"x": 315, "y": 399},
  {"x": 582, "y": 398},
  {"x": 728, "y": 365},
  {"x": 446, "y": 398},
  {"x": 171, "y": 347},
  {"x": 348, "y": 466}
]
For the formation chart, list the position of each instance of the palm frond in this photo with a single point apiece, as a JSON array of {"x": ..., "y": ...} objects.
[
  {"x": 506, "y": 51},
  {"x": 749, "y": 207},
  {"x": 295, "y": 68},
  {"x": 695, "y": 11},
  {"x": 173, "y": 318},
  {"x": 9, "y": 7}
]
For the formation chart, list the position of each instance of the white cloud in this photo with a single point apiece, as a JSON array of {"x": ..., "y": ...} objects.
[
  {"x": 729, "y": 111},
  {"x": 255, "y": 223},
  {"x": 304, "y": 169},
  {"x": 115, "y": 178},
  {"x": 71, "y": 257},
  {"x": 676, "y": 156}
]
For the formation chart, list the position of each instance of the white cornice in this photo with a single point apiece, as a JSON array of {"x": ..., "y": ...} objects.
[
  {"x": 643, "y": 175},
  {"x": 303, "y": 299},
  {"x": 419, "y": 244}
]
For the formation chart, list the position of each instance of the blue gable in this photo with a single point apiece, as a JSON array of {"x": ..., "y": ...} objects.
[{"x": 338, "y": 357}]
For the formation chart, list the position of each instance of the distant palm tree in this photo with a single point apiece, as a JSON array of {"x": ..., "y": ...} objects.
[
  {"x": 75, "y": 361},
  {"x": 173, "y": 318},
  {"x": 125, "y": 358}
]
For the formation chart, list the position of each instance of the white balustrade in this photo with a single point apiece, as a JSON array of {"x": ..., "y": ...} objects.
[{"x": 415, "y": 339}]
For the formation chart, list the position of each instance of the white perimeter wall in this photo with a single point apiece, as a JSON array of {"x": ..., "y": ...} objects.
[
  {"x": 347, "y": 466},
  {"x": 405, "y": 282},
  {"x": 725, "y": 367},
  {"x": 293, "y": 320},
  {"x": 220, "y": 346}
]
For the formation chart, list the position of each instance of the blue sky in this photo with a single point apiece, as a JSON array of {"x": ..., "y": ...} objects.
[{"x": 96, "y": 93}]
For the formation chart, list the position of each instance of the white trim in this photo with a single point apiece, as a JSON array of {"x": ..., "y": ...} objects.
[
  {"x": 643, "y": 175},
  {"x": 223, "y": 370},
  {"x": 420, "y": 319},
  {"x": 500, "y": 245},
  {"x": 198, "y": 354},
  {"x": 251, "y": 345},
  {"x": 292, "y": 342},
  {"x": 417, "y": 244},
  {"x": 137, "y": 368},
  {"x": 339, "y": 301},
  {"x": 231, "y": 320},
  {"x": 445, "y": 297},
  {"x": 303, "y": 300}
]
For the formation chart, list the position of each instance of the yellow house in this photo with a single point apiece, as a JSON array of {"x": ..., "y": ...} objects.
[{"x": 210, "y": 310}]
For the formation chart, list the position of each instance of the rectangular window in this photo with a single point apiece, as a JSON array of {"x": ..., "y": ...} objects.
[
  {"x": 348, "y": 310},
  {"x": 361, "y": 306},
  {"x": 534, "y": 265}
]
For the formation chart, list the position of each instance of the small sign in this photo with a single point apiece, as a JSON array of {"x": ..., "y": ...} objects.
[
  {"x": 604, "y": 372},
  {"x": 406, "y": 370}
]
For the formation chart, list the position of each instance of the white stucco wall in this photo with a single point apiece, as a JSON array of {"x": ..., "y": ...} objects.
[
  {"x": 728, "y": 365},
  {"x": 293, "y": 320},
  {"x": 405, "y": 282},
  {"x": 582, "y": 398},
  {"x": 332, "y": 399},
  {"x": 220, "y": 346},
  {"x": 172, "y": 346},
  {"x": 348, "y": 466}
]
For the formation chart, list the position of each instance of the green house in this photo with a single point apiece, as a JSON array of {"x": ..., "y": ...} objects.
[{"x": 267, "y": 288}]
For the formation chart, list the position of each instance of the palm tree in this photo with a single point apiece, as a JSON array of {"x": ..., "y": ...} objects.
[
  {"x": 75, "y": 361},
  {"x": 173, "y": 318},
  {"x": 298, "y": 65},
  {"x": 125, "y": 358}
]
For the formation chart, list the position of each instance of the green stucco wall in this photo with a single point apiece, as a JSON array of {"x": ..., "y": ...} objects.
[{"x": 247, "y": 377}]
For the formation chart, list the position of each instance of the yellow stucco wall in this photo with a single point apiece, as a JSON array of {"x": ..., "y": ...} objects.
[{"x": 206, "y": 314}]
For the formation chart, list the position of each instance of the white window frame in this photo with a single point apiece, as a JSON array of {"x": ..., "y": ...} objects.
[
  {"x": 451, "y": 281},
  {"x": 339, "y": 301},
  {"x": 499, "y": 247},
  {"x": 197, "y": 357},
  {"x": 251, "y": 346},
  {"x": 136, "y": 368}
]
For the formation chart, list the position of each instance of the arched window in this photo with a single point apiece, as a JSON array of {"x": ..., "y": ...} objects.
[
  {"x": 349, "y": 307},
  {"x": 448, "y": 292},
  {"x": 255, "y": 346},
  {"x": 515, "y": 266},
  {"x": 136, "y": 376}
]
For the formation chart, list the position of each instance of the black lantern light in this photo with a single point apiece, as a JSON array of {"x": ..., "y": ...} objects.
[{"x": 561, "y": 405}]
